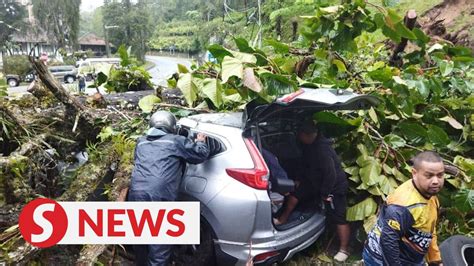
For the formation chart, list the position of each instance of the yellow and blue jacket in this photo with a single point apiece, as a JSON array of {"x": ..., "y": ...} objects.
[{"x": 405, "y": 231}]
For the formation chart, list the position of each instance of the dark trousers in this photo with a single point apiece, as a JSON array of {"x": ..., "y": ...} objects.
[{"x": 149, "y": 255}]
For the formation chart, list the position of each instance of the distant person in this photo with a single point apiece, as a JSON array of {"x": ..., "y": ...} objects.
[
  {"x": 405, "y": 232},
  {"x": 82, "y": 83},
  {"x": 323, "y": 179}
]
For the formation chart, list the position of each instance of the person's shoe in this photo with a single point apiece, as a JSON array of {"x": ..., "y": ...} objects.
[{"x": 341, "y": 256}]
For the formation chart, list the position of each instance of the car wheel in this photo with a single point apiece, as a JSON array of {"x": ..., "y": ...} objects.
[
  {"x": 202, "y": 254},
  {"x": 70, "y": 79},
  {"x": 457, "y": 250},
  {"x": 13, "y": 82}
]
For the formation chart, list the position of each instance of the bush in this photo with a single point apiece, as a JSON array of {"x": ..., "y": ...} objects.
[{"x": 17, "y": 64}]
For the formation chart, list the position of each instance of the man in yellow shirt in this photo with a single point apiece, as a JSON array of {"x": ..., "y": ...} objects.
[{"x": 405, "y": 232}]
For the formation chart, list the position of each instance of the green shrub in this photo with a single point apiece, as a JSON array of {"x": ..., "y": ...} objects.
[{"x": 17, "y": 64}]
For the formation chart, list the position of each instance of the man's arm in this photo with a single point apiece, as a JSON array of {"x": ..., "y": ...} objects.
[
  {"x": 434, "y": 256},
  {"x": 193, "y": 152},
  {"x": 395, "y": 221}
]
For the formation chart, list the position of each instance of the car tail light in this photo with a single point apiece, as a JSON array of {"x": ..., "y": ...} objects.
[
  {"x": 256, "y": 177},
  {"x": 265, "y": 256},
  {"x": 290, "y": 97}
]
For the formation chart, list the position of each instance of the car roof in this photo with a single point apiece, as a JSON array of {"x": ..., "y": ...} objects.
[{"x": 233, "y": 119}]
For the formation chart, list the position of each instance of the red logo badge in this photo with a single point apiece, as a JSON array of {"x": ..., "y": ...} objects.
[{"x": 43, "y": 222}]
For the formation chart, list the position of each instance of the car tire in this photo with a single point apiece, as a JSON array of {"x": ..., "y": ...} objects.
[
  {"x": 202, "y": 254},
  {"x": 69, "y": 79},
  {"x": 13, "y": 83},
  {"x": 457, "y": 250}
]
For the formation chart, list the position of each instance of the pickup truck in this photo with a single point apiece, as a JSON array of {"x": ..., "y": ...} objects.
[{"x": 14, "y": 80}]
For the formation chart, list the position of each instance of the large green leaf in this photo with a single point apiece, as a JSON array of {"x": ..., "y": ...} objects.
[
  {"x": 218, "y": 52},
  {"x": 244, "y": 57},
  {"x": 182, "y": 69},
  {"x": 243, "y": 45},
  {"x": 438, "y": 136},
  {"x": 187, "y": 87},
  {"x": 395, "y": 141},
  {"x": 403, "y": 31},
  {"x": 146, "y": 103},
  {"x": 370, "y": 173},
  {"x": 212, "y": 88},
  {"x": 361, "y": 210},
  {"x": 232, "y": 67},
  {"x": 464, "y": 200},
  {"x": 332, "y": 125},
  {"x": 466, "y": 164},
  {"x": 280, "y": 48},
  {"x": 277, "y": 84},
  {"x": 413, "y": 131}
]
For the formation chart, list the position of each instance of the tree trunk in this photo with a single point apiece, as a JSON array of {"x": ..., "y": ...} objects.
[{"x": 410, "y": 20}]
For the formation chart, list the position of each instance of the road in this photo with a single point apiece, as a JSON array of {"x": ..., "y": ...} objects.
[{"x": 164, "y": 67}]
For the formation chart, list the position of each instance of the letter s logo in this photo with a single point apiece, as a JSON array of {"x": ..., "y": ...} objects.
[{"x": 43, "y": 222}]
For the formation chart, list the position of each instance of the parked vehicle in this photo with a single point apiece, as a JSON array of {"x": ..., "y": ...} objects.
[
  {"x": 92, "y": 66},
  {"x": 457, "y": 250},
  {"x": 64, "y": 73},
  {"x": 237, "y": 198},
  {"x": 14, "y": 80}
]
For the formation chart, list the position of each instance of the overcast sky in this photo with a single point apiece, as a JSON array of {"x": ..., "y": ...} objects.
[{"x": 89, "y": 5}]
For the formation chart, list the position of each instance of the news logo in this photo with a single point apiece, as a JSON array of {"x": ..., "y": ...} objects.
[{"x": 45, "y": 222}]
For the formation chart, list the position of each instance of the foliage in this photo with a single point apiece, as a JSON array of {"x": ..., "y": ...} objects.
[
  {"x": 11, "y": 15},
  {"x": 134, "y": 24},
  {"x": 91, "y": 21},
  {"x": 60, "y": 19},
  {"x": 17, "y": 64},
  {"x": 426, "y": 103},
  {"x": 126, "y": 77}
]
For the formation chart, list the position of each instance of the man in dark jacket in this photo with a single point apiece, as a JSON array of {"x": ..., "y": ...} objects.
[
  {"x": 160, "y": 159},
  {"x": 324, "y": 177}
]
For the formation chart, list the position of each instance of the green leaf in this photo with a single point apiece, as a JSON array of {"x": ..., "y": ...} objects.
[
  {"x": 277, "y": 84},
  {"x": 466, "y": 164},
  {"x": 244, "y": 57},
  {"x": 251, "y": 81},
  {"x": 187, "y": 87},
  {"x": 370, "y": 173},
  {"x": 392, "y": 34},
  {"x": 464, "y": 200},
  {"x": 420, "y": 35},
  {"x": 373, "y": 115},
  {"x": 182, "y": 69},
  {"x": 395, "y": 141},
  {"x": 218, "y": 52},
  {"x": 399, "y": 175},
  {"x": 341, "y": 67},
  {"x": 101, "y": 78},
  {"x": 386, "y": 186},
  {"x": 392, "y": 17},
  {"x": 361, "y": 210},
  {"x": 243, "y": 45},
  {"x": 146, "y": 103},
  {"x": 382, "y": 74},
  {"x": 413, "y": 131},
  {"x": 370, "y": 222},
  {"x": 212, "y": 88},
  {"x": 231, "y": 67},
  {"x": 423, "y": 88},
  {"x": 279, "y": 47},
  {"x": 446, "y": 67},
  {"x": 438, "y": 136},
  {"x": 331, "y": 125},
  {"x": 403, "y": 31}
]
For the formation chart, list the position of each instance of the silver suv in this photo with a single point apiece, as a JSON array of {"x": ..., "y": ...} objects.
[
  {"x": 237, "y": 194},
  {"x": 64, "y": 73}
]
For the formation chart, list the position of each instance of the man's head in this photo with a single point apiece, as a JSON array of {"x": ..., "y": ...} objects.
[
  {"x": 164, "y": 121},
  {"x": 428, "y": 172},
  {"x": 307, "y": 132}
]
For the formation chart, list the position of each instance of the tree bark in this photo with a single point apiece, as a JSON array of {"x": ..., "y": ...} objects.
[{"x": 410, "y": 20}]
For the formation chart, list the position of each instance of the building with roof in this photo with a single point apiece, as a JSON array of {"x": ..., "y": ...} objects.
[{"x": 90, "y": 41}]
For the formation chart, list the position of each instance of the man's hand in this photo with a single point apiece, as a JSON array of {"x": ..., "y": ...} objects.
[{"x": 201, "y": 137}]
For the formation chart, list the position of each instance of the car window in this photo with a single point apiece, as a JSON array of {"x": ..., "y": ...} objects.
[{"x": 215, "y": 145}]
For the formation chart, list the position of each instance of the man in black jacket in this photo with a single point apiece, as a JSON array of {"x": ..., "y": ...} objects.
[
  {"x": 160, "y": 158},
  {"x": 323, "y": 177}
]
